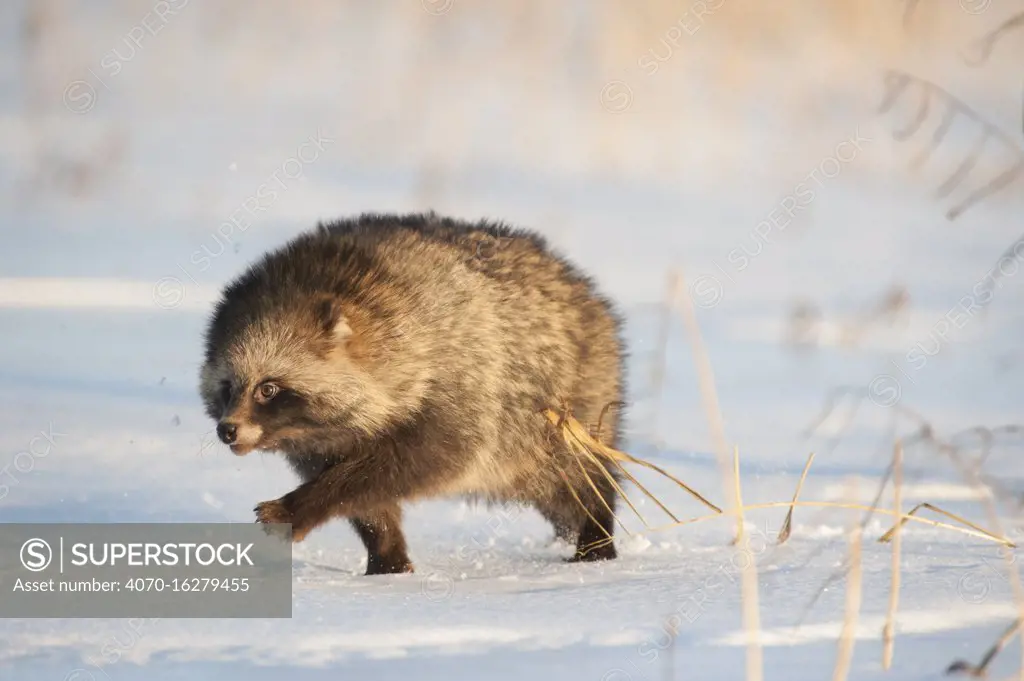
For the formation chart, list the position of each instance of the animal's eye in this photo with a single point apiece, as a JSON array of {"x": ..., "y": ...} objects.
[{"x": 266, "y": 392}]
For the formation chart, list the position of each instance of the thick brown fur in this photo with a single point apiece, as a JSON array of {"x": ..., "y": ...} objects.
[{"x": 411, "y": 358}]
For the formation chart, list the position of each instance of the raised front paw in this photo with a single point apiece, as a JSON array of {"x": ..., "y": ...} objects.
[
  {"x": 275, "y": 511},
  {"x": 274, "y": 514}
]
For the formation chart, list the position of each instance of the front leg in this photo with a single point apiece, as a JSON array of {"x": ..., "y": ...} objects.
[
  {"x": 313, "y": 503},
  {"x": 362, "y": 485},
  {"x": 381, "y": 533},
  {"x": 294, "y": 509}
]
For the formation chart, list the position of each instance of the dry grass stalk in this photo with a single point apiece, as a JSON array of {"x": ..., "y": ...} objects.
[
  {"x": 581, "y": 442},
  {"x": 578, "y": 449},
  {"x": 576, "y": 496},
  {"x": 984, "y": 534},
  {"x": 932, "y": 507},
  {"x": 888, "y": 632},
  {"x": 787, "y": 524},
  {"x": 661, "y": 355},
  {"x": 738, "y": 496},
  {"x": 848, "y": 635},
  {"x": 832, "y": 401},
  {"x": 709, "y": 396},
  {"x": 926, "y": 434},
  {"x": 972, "y": 475},
  {"x": 748, "y": 588},
  {"x": 979, "y": 670}
]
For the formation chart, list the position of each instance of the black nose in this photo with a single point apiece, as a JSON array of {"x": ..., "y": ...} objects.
[{"x": 227, "y": 432}]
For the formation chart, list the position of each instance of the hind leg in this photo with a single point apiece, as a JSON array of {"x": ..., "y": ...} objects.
[
  {"x": 595, "y": 540},
  {"x": 381, "y": 532},
  {"x": 598, "y": 525},
  {"x": 591, "y": 536},
  {"x": 567, "y": 528}
]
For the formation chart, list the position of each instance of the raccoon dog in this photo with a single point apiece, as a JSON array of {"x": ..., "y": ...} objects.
[{"x": 396, "y": 358}]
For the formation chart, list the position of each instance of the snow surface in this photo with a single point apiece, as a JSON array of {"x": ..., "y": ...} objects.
[{"x": 102, "y": 306}]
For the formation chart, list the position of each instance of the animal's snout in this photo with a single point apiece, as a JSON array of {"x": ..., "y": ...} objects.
[{"x": 227, "y": 432}]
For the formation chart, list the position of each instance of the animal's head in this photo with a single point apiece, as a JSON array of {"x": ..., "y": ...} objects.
[{"x": 298, "y": 355}]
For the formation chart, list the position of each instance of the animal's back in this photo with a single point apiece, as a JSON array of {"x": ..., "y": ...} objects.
[{"x": 555, "y": 337}]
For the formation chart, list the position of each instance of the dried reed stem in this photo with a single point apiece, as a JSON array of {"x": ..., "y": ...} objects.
[
  {"x": 576, "y": 496},
  {"x": 647, "y": 493},
  {"x": 993, "y": 513},
  {"x": 888, "y": 632},
  {"x": 576, "y": 436},
  {"x": 787, "y": 524},
  {"x": 709, "y": 396},
  {"x": 738, "y": 496},
  {"x": 932, "y": 507},
  {"x": 848, "y": 635},
  {"x": 577, "y": 446},
  {"x": 979, "y": 669},
  {"x": 600, "y": 496},
  {"x": 661, "y": 356},
  {"x": 855, "y": 507}
]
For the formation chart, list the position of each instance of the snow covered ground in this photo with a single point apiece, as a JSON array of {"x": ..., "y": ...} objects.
[{"x": 108, "y": 268}]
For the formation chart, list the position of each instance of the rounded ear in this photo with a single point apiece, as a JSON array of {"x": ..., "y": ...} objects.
[{"x": 332, "y": 318}]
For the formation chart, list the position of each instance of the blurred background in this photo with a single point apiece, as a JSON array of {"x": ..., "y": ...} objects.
[
  {"x": 835, "y": 185},
  {"x": 149, "y": 151}
]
